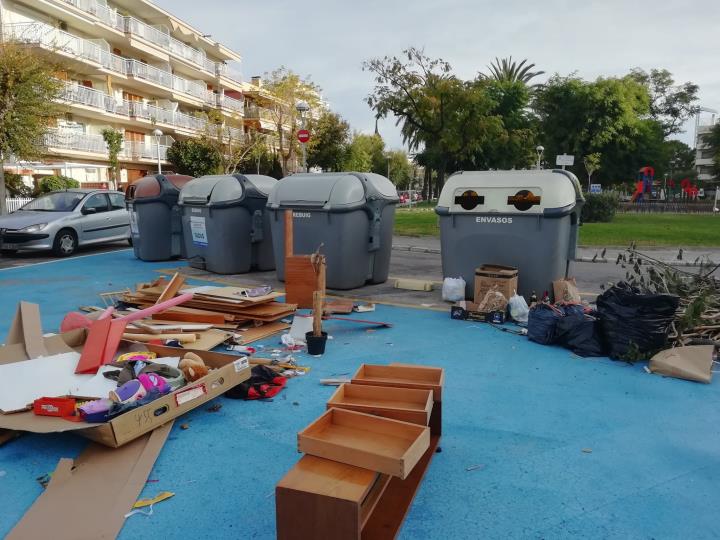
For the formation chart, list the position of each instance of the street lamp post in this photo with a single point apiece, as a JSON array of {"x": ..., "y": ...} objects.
[
  {"x": 158, "y": 134},
  {"x": 302, "y": 107},
  {"x": 539, "y": 149}
]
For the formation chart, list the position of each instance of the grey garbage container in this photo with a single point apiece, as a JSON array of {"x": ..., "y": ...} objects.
[
  {"x": 225, "y": 225},
  {"x": 525, "y": 219},
  {"x": 155, "y": 223},
  {"x": 352, "y": 214}
]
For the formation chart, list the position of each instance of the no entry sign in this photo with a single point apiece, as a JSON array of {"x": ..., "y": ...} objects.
[{"x": 303, "y": 135}]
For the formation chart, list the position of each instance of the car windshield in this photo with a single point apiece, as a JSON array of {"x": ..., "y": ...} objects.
[{"x": 60, "y": 201}]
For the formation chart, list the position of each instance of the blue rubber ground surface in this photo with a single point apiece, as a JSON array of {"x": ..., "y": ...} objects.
[{"x": 518, "y": 415}]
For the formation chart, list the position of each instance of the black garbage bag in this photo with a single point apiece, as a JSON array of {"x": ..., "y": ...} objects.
[
  {"x": 634, "y": 323},
  {"x": 542, "y": 320},
  {"x": 581, "y": 334}
]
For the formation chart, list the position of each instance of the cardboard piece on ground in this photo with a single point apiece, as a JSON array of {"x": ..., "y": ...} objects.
[
  {"x": 339, "y": 306},
  {"x": 693, "y": 363},
  {"x": 209, "y": 339},
  {"x": 566, "y": 291},
  {"x": 26, "y": 329},
  {"x": 88, "y": 498},
  {"x": 236, "y": 295},
  {"x": 260, "y": 332},
  {"x": 23, "y": 382}
]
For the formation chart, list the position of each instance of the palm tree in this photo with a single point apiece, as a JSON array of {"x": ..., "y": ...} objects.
[{"x": 507, "y": 70}]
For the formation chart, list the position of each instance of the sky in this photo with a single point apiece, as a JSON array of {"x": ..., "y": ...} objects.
[{"x": 328, "y": 40}]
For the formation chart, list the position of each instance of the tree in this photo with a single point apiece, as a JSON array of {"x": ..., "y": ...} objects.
[
  {"x": 513, "y": 143},
  {"x": 285, "y": 89},
  {"x": 16, "y": 187},
  {"x": 114, "y": 140},
  {"x": 328, "y": 146},
  {"x": 28, "y": 90},
  {"x": 417, "y": 91},
  {"x": 401, "y": 170},
  {"x": 592, "y": 164},
  {"x": 670, "y": 104},
  {"x": 608, "y": 116},
  {"x": 453, "y": 124},
  {"x": 366, "y": 153},
  {"x": 507, "y": 70},
  {"x": 194, "y": 157}
]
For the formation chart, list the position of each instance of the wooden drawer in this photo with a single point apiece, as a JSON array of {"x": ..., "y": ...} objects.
[
  {"x": 402, "y": 375},
  {"x": 405, "y": 404},
  {"x": 320, "y": 498},
  {"x": 363, "y": 440}
]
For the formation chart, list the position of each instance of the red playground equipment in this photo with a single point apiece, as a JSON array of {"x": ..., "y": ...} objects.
[{"x": 645, "y": 179}]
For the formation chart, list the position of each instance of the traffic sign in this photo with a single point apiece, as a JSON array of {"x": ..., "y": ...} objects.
[
  {"x": 303, "y": 135},
  {"x": 595, "y": 188},
  {"x": 564, "y": 159}
]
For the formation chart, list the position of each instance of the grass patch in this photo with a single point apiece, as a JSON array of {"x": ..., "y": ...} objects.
[
  {"x": 654, "y": 230},
  {"x": 416, "y": 222},
  {"x": 645, "y": 229}
]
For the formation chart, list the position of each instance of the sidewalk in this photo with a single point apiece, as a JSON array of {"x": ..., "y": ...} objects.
[{"x": 431, "y": 244}]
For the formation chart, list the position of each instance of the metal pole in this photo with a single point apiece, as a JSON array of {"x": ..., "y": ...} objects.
[
  {"x": 157, "y": 139},
  {"x": 305, "y": 169}
]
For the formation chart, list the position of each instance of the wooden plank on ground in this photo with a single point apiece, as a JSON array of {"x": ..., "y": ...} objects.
[{"x": 172, "y": 288}]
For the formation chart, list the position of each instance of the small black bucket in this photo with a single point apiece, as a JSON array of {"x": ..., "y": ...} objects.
[{"x": 316, "y": 345}]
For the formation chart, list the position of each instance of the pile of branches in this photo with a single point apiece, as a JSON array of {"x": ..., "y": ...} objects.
[{"x": 697, "y": 320}]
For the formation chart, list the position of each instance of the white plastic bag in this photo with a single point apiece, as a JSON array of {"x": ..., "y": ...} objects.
[
  {"x": 453, "y": 289},
  {"x": 519, "y": 310}
]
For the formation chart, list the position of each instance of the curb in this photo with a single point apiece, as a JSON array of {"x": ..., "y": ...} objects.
[{"x": 420, "y": 249}]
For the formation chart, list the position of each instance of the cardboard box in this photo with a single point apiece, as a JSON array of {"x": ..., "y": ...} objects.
[
  {"x": 491, "y": 275},
  {"x": 228, "y": 371}
]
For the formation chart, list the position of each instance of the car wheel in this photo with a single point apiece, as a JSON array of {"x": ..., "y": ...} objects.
[
  {"x": 8, "y": 252},
  {"x": 65, "y": 243}
]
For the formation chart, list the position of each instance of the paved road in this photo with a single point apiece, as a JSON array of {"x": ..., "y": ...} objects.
[
  {"x": 31, "y": 257},
  {"x": 414, "y": 264}
]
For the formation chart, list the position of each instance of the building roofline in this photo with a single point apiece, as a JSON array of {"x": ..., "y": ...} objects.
[{"x": 177, "y": 24}]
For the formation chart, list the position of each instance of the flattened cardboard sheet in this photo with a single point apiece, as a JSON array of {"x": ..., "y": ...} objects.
[{"x": 89, "y": 501}]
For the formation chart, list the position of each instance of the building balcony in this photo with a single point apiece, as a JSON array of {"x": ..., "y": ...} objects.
[
  {"x": 263, "y": 116},
  {"x": 157, "y": 36},
  {"x": 165, "y": 79},
  {"x": 56, "y": 40},
  {"x": 62, "y": 140},
  {"x": 105, "y": 14},
  {"x": 104, "y": 103},
  {"x": 230, "y": 103}
]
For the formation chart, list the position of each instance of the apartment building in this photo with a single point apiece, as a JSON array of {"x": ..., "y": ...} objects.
[
  {"x": 133, "y": 67},
  {"x": 703, "y": 154}
]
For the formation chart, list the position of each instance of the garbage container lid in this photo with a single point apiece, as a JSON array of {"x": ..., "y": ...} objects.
[
  {"x": 510, "y": 192},
  {"x": 340, "y": 190},
  {"x": 151, "y": 186},
  {"x": 226, "y": 189}
]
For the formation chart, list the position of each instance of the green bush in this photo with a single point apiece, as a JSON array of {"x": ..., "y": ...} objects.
[
  {"x": 194, "y": 157},
  {"x": 15, "y": 186},
  {"x": 599, "y": 207},
  {"x": 56, "y": 183}
]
